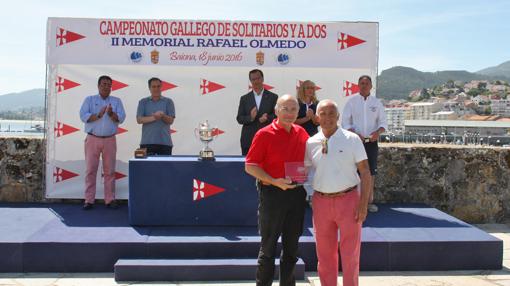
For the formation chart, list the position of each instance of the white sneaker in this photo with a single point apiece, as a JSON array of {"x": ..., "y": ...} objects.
[{"x": 372, "y": 208}]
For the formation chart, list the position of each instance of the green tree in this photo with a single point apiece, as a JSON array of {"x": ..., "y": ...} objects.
[
  {"x": 425, "y": 94},
  {"x": 482, "y": 85},
  {"x": 474, "y": 92}
]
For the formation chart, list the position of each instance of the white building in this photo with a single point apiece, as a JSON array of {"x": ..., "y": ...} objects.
[
  {"x": 500, "y": 107},
  {"x": 457, "y": 127},
  {"x": 395, "y": 116},
  {"x": 444, "y": 115},
  {"x": 423, "y": 110},
  {"x": 454, "y": 105},
  {"x": 480, "y": 98}
]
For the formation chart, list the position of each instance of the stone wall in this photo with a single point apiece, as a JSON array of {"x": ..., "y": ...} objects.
[
  {"x": 21, "y": 170},
  {"x": 471, "y": 183}
]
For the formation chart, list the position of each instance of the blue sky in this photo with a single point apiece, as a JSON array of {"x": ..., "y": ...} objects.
[{"x": 427, "y": 35}]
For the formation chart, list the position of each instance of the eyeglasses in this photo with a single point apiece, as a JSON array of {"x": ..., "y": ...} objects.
[{"x": 324, "y": 144}]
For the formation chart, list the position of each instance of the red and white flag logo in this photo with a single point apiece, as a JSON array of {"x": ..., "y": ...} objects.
[
  {"x": 60, "y": 175},
  {"x": 62, "y": 129},
  {"x": 350, "y": 88},
  {"x": 217, "y": 131},
  {"x": 167, "y": 85},
  {"x": 65, "y": 37},
  {"x": 64, "y": 84},
  {"x": 207, "y": 86},
  {"x": 118, "y": 175},
  {"x": 120, "y": 130},
  {"x": 202, "y": 190},
  {"x": 346, "y": 41},
  {"x": 117, "y": 85}
]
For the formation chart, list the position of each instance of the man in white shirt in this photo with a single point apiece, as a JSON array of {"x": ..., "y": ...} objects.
[
  {"x": 335, "y": 157},
  {"x": 364, "y": 115}
]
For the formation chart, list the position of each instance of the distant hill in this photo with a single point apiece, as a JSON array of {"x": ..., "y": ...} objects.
[
  {"x": 393, "y": 83},
  {"x": 500, "y": 70},
  {"x": 20, "y": 100},
  {"x": 397, "y": 82}
]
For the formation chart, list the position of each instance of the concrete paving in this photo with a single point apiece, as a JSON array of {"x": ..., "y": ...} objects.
[{"x": 415, "y": 278}]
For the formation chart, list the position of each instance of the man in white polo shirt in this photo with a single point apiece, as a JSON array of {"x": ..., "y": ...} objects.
[
  {"x": 364, "y": 115},
  {"x": 340, "y": 198}
]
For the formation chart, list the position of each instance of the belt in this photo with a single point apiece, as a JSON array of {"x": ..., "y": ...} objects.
[
  {"x": 337, "y": 194},
  {"x": 268, "y": 186},
  {"x": 100, "y": 136}
]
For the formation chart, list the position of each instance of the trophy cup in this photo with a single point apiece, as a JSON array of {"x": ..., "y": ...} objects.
[{"x": 206, "y": 134}]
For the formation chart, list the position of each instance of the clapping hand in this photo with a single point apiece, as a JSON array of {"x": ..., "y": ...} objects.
[
  {"x": 102, "y": 111},
  {"x": 109, "y": 109},
  {"x": 253, "y": 113},
  {"x": 309, "y": 114},
  {"x": 263, "y": 118}
]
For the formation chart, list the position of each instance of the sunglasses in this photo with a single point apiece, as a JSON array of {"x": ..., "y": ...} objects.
[{"x": 324, "y": 144}]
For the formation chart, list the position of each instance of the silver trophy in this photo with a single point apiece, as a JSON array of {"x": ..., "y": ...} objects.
[{"x": 206, "y": 134}]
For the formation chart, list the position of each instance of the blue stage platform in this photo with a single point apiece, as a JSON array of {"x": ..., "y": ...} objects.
[
  {"x": 184, "y": 191},
  {"x": 63, "y": 238}
]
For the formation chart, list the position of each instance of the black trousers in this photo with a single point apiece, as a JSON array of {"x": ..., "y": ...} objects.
[
  {"x": 372, "y": 149},
  {"x": 157, "y": 149},
  {"x": 280, "y": 213}
]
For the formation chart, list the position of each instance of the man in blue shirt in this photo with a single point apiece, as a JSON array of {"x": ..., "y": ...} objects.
[
  {"x": 102, "y": 115},
  {"x": 156, "y": 113}
]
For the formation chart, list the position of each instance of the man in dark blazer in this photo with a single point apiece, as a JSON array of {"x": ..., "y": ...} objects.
[{"x": 256, "y": 109}]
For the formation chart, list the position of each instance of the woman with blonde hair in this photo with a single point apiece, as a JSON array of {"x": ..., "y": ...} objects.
[{"x": 307, "y": 107}]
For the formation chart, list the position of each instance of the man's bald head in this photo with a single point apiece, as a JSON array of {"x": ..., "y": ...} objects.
[
  {"x": 327, "y": 111},
  {"x": 285, "y": 98},
  {"x": 286, "y": 109},
  {"x": 327, "y": 103}
]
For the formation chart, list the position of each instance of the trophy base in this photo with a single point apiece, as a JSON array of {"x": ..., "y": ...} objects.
[{"x": 206, "y": 155}]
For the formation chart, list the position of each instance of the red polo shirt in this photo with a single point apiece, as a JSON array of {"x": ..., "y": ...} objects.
[{"x": 273, "y": 146}]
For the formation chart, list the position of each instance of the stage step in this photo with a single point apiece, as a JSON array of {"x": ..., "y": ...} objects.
[{"x": 193, "y": 269}]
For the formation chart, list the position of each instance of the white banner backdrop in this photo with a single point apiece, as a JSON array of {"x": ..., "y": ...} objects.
[{"x": 79, "y": 51}]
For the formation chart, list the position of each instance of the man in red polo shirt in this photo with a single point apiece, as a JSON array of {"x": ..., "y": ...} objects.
[{"x": 281, "y": 203}]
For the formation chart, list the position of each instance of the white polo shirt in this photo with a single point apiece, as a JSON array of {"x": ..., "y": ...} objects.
[
  {"x": 336, "y": 170},
  {"x": 364, "y": 116}
]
